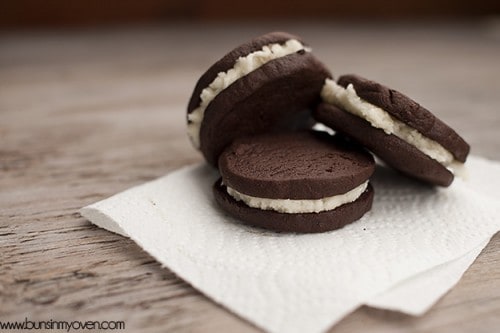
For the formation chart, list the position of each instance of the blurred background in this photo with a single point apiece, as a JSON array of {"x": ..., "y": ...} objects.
[{"x": 58, "y": 13}]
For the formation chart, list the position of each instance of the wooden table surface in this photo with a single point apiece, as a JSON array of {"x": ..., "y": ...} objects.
[{"x": 86, "y": 114}]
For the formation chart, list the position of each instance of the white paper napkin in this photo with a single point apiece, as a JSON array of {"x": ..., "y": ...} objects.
[
  {"x": 407, "y": 252},
  {"x": 417, "y": 294}
]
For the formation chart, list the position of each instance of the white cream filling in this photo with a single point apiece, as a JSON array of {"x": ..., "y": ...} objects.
[
  {"x": 348, "y": 100},
  {"x": 292, "y": 206},
  {"x": 242, "y": 67}
]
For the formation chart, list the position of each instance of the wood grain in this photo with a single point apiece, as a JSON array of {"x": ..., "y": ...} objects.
[{"x": 86, "y": 114}]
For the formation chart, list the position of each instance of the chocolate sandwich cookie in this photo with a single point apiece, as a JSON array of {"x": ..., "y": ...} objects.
[
  {"x": 258, "y": 87},
  {"x": 401, "y": 132},
  {"x": 295, "y": 182}
]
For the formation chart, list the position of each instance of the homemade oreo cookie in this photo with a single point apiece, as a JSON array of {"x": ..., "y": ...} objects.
[
  {"x": 401, "y": 132},
  {"x": 258, "y": 87},
  {"x": 295, "y": 182}
]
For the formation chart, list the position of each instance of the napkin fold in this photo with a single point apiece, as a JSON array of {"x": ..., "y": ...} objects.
[{"x": 409, "y": 250}]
